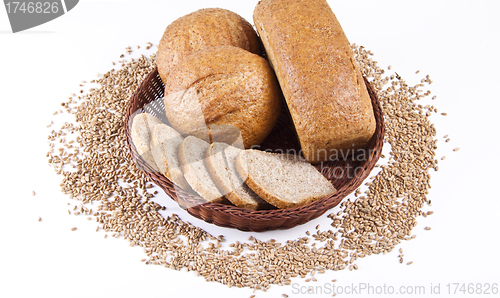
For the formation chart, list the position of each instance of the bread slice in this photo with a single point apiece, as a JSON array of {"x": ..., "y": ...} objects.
[
  {"x": 142, "y": 126},
  {"x": 165, "y": 143},
  {"x": 221, "y": 165},
  {"x": 283, "y": 180},
  {"x": 192, "y": 154}
]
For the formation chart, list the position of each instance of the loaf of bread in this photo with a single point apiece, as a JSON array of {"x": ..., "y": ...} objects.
[
  {"x": 221, "y": 164},
  {"x": 142, "y": 126},
  {"x": 322, "y": 84},
  {"x": 223, "y": 85},
  {"x": 165, "y": 143},
  {"x": 283, "y": 180},
  {"x": 202, "y": 29}
]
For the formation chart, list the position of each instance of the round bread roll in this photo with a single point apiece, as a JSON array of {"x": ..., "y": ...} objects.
[
  {"x": 202, "y": 29},
  {"x": 223, "y": 85}
]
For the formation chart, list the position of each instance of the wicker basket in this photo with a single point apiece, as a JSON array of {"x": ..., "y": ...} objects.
[{"x": 346, "y": 175}]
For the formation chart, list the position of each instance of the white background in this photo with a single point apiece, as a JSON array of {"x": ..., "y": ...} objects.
[{"x": 455, "y": 42}]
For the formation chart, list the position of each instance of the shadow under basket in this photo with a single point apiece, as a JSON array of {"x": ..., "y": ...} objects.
[{"x": 346, "y": 174}]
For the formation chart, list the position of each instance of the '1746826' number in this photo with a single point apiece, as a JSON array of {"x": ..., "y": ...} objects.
[
  {"x": 472, "y": 288},
  {"x": 32, "y": 7}
]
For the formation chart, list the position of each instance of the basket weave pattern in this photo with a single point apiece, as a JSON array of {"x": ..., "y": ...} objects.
[{"x": 345, "y": 174}]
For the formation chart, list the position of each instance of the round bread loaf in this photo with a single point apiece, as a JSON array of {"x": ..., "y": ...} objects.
[
  {"x": 223, "y": 85},
  {"x": 202, "y": 29}
]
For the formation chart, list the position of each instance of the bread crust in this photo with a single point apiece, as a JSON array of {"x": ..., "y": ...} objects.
[
  {"x": 202, "y": 29},
  {"x": 322, "y": 84}
]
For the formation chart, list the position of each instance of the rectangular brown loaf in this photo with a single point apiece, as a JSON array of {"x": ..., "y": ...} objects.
[{"x": 322, "y": 84}]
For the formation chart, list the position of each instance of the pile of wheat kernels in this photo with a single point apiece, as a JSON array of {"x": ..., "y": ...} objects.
[{"x": 98, "y": 173}]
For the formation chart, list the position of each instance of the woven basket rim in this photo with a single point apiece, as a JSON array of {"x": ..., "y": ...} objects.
[{"x": 229, "y": 213}]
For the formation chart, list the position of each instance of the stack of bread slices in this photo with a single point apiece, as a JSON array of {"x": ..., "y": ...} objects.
[{"x": 226, "y": 173}]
